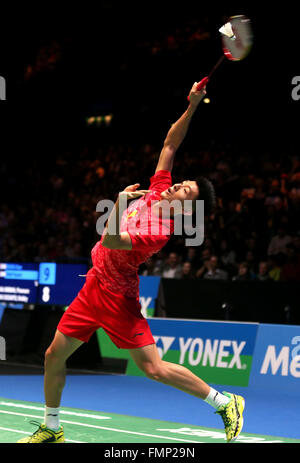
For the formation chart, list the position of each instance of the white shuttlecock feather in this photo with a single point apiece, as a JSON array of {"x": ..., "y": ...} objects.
[{"x": 227, "y": 30}]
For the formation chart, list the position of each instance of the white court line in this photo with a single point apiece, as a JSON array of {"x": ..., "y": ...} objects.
[
  {"x": 105, "y": 428},
  {"x": 26, "y": 432},
  {"x": 63, "y": 412}
]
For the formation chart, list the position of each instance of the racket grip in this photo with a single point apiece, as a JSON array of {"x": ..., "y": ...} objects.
[{"x": 201, "y": 85}]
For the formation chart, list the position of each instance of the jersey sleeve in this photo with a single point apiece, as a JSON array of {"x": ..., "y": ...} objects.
[{"x": 160, "y": 181}]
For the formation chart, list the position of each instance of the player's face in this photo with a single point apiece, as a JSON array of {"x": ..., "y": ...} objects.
[{"x": 181, "y": 191}]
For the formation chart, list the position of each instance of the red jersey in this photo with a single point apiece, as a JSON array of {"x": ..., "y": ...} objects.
[{"x": 118, "y": 268}]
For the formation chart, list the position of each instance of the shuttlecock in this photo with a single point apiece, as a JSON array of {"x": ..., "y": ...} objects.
[{"x": 227, "y": 30}]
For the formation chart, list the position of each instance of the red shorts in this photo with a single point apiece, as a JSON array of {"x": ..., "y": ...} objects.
[{"x": 96, "y": 307}]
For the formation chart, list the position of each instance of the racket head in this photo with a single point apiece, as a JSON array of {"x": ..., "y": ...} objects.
[{"x": 236, "y": 49}]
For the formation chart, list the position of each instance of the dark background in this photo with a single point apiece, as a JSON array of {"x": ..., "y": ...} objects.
[{"x": 102, "y": 66}]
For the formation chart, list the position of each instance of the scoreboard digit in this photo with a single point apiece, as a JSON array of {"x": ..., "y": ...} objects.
[{"x": 47, "y": 274}]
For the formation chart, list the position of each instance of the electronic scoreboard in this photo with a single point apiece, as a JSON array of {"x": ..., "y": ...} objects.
[
  {"x": 59, "y": 284},
  {"x": 40, "y": 283},
  {"x": 19, "y": 282}
]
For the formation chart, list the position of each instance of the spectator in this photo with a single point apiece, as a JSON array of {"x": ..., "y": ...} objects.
[
  {"x": 172, "y": 268},
  {"x": 227, "y": 257},
  {"x": 187, "y": 271},
  {"x": 244, "y": 273},
  {"x": 213, "y": 270},
  {"x": 252, "y": 246},
  {"x": 150, "y": 267},
  {"x": 52, "y": 248},
  {"x": 42, "y": 255},
  {"x": 263, "y": 271},
  {"x": 276, "y": 263},
  {"x": 60, "y": 252},
  {"x": 159, "y": 262},
  {"x": 78, "y": 257},
  {"x": 296, "y": 242},
  {"x": 205, "y": 264},
  {"x": 278, "y": 242},
  {"x": 291, "y": 267},
  {"x": 192, "y": 257},
  {"x": 205, "y": 255},
  {"x": 251, "y": 261}
]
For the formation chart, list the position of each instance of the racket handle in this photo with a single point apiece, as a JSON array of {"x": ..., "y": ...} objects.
[{"x": 201, "y": 85}]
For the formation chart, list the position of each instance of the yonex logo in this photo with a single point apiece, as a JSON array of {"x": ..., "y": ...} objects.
[
  {"x": 167, "y": 341},
  {"x": 214, "y": 353},
  {"x": 195, "y": 351}
]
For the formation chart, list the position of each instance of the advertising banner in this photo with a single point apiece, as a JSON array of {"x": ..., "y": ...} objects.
[
  {"x": 218, "y": 352},
  {"x": 276, "y": 363}
]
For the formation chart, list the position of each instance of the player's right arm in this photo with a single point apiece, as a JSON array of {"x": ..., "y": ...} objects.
[{"x": 178, "y": 131}]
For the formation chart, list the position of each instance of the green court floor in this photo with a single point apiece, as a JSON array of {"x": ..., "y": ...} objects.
[{"x": 87, "y": 426}]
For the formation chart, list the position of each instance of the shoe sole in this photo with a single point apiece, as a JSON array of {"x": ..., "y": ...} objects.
[{"x": 242, "y": 423}]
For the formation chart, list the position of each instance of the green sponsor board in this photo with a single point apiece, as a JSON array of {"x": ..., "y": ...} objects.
[
  {"x": 219, "y": 353},
  {"x": 216, "y": 375},
  {"x": 108, "y": 348}
]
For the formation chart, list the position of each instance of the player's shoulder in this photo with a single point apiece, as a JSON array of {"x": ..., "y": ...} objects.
[
  {"x": 162, "y": 174},
  {"x": 160, "y": 180}
]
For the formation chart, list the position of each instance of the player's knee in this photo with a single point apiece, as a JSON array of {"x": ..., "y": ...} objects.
[
  {"x": 52, "y": 356},
  {"x": 155, "y": 372}
]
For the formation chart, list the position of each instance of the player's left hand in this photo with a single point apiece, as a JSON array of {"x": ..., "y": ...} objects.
[{"x": 132, "y": 192}]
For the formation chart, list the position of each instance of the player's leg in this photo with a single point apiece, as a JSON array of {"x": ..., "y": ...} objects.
[
  {"x": 76, "y": 326},
  {"x": 229, "y": 406},
  {"x": 56, "y": 356},
  {"x": 148, "y": 360}
]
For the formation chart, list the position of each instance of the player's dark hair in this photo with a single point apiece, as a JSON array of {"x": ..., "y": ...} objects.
[{"x": 207, "y": 194}]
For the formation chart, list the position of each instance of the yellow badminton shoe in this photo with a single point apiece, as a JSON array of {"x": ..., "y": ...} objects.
[
  {"x": 44, "y": 435},
  {"x": 232, "y": 415}
]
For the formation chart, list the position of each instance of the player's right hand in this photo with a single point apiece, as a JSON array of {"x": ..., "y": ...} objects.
[{"x": 195, "y": 95}]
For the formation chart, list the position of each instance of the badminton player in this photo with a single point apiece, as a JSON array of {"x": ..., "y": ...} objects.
[{"x": 110, "y": 296}]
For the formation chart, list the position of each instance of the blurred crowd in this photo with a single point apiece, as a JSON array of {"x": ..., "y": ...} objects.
[{"x": 253, "y": 234}]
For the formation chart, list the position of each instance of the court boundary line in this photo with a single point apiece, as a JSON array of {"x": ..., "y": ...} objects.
[
  {"x": 243, "y": 439},
  {"x": 65, "y": 412},
  {"x": 27, "y": 432},
  {"x": 105, "y": 428}
]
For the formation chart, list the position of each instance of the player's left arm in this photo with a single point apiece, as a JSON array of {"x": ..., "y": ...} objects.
[
  {"x": 179, "y": 130},
  {"x": 113, "y": 237}
]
